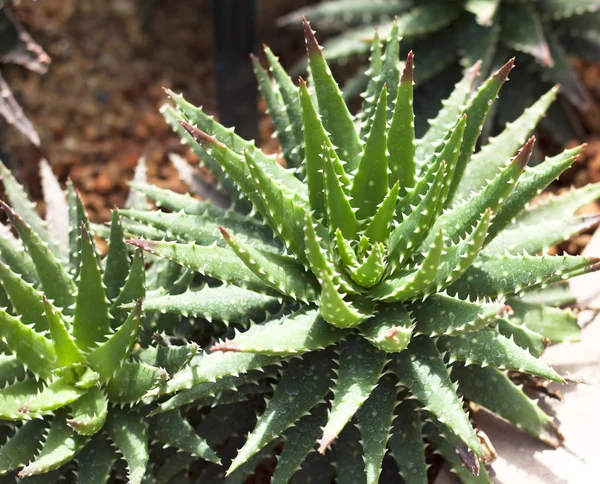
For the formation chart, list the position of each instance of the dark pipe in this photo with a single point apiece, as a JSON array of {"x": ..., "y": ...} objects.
[{"x": 234, "y": 31}]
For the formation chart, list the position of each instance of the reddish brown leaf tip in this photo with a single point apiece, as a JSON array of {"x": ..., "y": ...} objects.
[
  {"x": 409, "y": 66},
  {"x": 147, "y": 245},
  {"x": 468, "y": 458},
  {"x": 502, "y": 73},
  {"x": 226, "y": 235},
  {"x": 200, "y": 137},
  {"x": 9, "y": 211},
  {"x": 594, "y": 267},
  {"x": 525, "y": 153},
  {"x": 253, "y": 58},
  {"x": 325, "y": 443},
  {"x": 312, "y": 46},
  {"x": 226, "y": 345}
]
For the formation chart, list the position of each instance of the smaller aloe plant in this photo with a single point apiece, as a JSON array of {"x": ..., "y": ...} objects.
[
  {"x": 403, "y": 272},
  {"x": 72, "y": 372}
]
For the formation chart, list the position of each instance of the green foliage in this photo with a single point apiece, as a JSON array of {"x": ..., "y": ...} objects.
[
  {"x": 71, "y": 354},
  {"x": 540, "y": 33},
  {"x": 366, "y": 273}
]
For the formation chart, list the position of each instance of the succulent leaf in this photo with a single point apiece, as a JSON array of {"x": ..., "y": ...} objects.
[
  {"x": 56, "y": 282},
  {"x": 406, "y": 443},
  {"x": 132, "y": 290},
  {"x": 13, "y": 396},
  {"x": 213, "y": 367},
  {"x": 501, "y": 396},
  {"x": 128, "y": 431},
  {"x": 488, "y": 347},
  {"x": 313, "y": 375},
  {"x": 22, "y": 446},
  {"x": 490, "y": 276},
  {"x": 349, "y": 458},
  {"x": 291, "y": 103},
  {"x": 56, "y": 395},
  {"x": 172, "y": 429},
  {"x": 360, "y": 366},
  {"x": 335, "y": 115},
  {"x": 284, "y": 274},
  {"x": 444, "y": 315},
  {"x": 57, "y": 210},
  {"x": 558, "y": 325},
  {"x": 14, "y": 256},
  {"x": 117, "y": 259},
  {"x": 495, "y": 155},
  {"x": 67, "y": 351},
  {"x": 290, "y": 334},
  {"x": 401, "y": 142},
  {"x": 24, "y": 298},
  {"x": 78, "y": 218},
  {"x": 33, "y": 349},
  {"x": 422, "y": 369},
  {"x": 95, "y": 461},
  {"x": 211, "y": 261},
  {"x": 61, "y": 445},
  {"x": 277, "y": 110},
  {"x": 375, "y": 422},
  {"x": 224, "y": 303},
  {"x": 22, "y": 204},
  {"x": 339, "y": 310},
  {"x": 390, "y": 330},
  {"x": 109, "y": 356},
  {"x": 451, "y": 449},
  {"x": 299, "y": 441},
  {"x": 132, "y": 381},
  {"x": 91, "y": 320},
  {"x": 370, "y": 183},
  {"x": 340, "y": 213},
  {"x": 476, "y": 112},
  {"x": 89, "y": 412}
]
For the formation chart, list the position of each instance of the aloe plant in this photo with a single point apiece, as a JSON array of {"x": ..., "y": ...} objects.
[
  {"x": 540, "y": 33},
  {"x": 75, "y": 365},
  {"x": 398, "y": 275}
]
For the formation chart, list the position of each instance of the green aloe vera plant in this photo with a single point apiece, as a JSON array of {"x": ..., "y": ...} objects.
[
  {"x": 399, "y": 275},
  {"x": 73, "y": 372},
  {"x": 448, "y": 33}
]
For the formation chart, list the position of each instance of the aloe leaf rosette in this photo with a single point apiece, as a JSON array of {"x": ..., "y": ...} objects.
[
  {"x": 451, "y": 33},
  {"x": 72, "y": 369},
  {"x": 408, "y": 272}
]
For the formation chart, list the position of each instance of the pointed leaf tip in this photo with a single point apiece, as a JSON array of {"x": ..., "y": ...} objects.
[
  {"x": 502, "y": 73},
  {"x": 525, "y": 153},
  {"x": 312, "y": 46},
  {"x": 200, "y": 137},
  {"x": 146, "y": 245},
  {"x": 325, "y": 443},
  {"x": 226, "y": 235},
  {"x": 409, "y": 66},
  {"x": 468, "y": 458}
]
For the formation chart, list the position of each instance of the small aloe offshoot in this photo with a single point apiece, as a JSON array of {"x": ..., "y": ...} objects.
[
  {"x": 395, "y": 259},
  {"x": 72, "y": 372}
]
